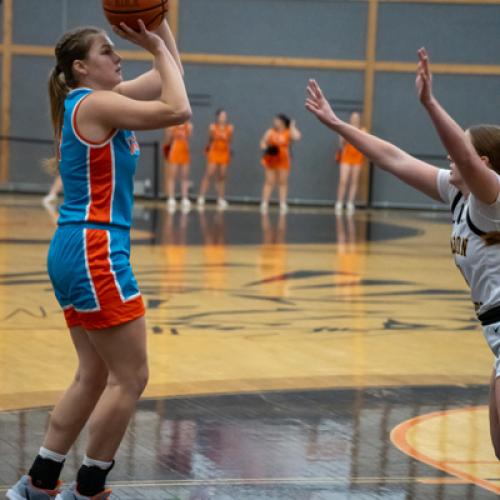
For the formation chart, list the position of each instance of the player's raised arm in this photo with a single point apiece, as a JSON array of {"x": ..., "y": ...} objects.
[
  {"x": 416, "y": 173},
  {"x": 112, "y": 110},
  {"x": 148, "y": 85},
  {"x": 475, "y": 170}
]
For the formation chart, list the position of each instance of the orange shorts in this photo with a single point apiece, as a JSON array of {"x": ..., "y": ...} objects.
[
  {"x": 179, "y": 154},
  {"x": 351, "y": 156},
  {"x": 278, "y": 162},
  {"x": 90, "y": 271},
  {"x": 219, "y": 157}
]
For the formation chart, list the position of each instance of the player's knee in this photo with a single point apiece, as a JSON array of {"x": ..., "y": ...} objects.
[
  {"x": 133, "y": 382},
  {"x": 93, "y": 379}
]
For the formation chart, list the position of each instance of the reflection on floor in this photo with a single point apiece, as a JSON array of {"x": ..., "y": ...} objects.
[
  {"x": 324, "y": 333},
  {"x": 293, "y": 445}
]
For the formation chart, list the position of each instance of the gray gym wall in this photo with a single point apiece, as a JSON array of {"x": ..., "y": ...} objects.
[{"x": 325, "y": 29}]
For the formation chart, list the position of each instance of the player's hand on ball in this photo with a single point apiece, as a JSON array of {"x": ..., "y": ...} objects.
[
  {"x": 423, "y": 81},
  {"x": 146, "y": 39},
  {"x": 317, "y": 104}
]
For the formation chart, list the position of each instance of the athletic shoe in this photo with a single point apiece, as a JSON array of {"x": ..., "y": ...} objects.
[
  {"x": 264, "y": 207},
  {"x": 185, "y": 204},
  {"x": 350, "y": 208},
  {"x": 338, "y": 208},
  {"x": 222, "y": 204},
  {"x": 283, "y": 208},
  {"x": 24, "y": 489},
  {"x": 72, "y": 494},
  {"x": 201, "y": 201},
  {"x": 171, "y": 204}
]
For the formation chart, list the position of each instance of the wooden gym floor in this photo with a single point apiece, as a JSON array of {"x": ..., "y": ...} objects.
[{"x": 304, "y": 356}]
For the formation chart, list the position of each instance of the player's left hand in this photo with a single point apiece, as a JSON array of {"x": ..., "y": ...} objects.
[
  {"x": 423, "y": 81},
  {"x": 317, "y": 104}
]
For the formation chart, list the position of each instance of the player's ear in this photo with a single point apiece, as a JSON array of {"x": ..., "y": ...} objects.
[
  {"x": 486, "y": 161},
  {"x": 79, "y": 69}
]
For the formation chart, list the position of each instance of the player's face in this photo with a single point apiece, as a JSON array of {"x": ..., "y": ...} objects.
[
  {"x": 222, "y": 118},
  {"x": 355, "y": 120},
  {"x": 278, "y": 124},
  {"x": 455, "y": 176},
  {"x": 103, "y": 64}
]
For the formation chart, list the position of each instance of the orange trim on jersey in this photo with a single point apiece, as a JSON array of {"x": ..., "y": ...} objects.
[
  {"x": 101, "y": 183},
  {"x": 80, "y": 135},
  {"x": 113, "y": 310}
]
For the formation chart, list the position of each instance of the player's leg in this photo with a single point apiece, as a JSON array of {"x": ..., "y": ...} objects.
[
  {"x": 184, "y": 175},
  {"x": 205, "y": 183},
  {"x": 353, "y": 188},
  {"x": 494, "y": 411},
  {"x": 66, "y": 421},
  {"x": 267, "y": 188},
  {"x": 342, "y": 186},
  {"x": 123, "y": 349},
  {"x": 221, "y": 186},
  {"x": 283, "y": 176},
  {"x": 171, "y": 178}
]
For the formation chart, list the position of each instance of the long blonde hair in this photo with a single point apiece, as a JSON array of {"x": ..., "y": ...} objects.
[
  {"x": 73, "y": 45},
  {"x": 486, "y": 142}
]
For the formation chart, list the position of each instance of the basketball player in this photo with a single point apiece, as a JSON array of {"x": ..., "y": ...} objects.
[
  {"x": 351, "y": 161},
  {"x": 177, "y": 160},
  {"x": 471, "y": 188},
  {"x": 93, "y": 111},
  {"x": 275, "y": 145},
  {"x": 220, "y": 136}
]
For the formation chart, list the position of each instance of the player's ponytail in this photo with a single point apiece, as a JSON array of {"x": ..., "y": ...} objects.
[
  {"x": 486, "y": 142},
  {"x": 72, "y": 46}
]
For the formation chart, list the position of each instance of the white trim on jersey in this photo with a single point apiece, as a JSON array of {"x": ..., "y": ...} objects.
[
  {"x": 89, "y": 187},
  {"x": 117, "y": 283},
  {"x": 113, "y": 184},
  {"x": 87, "y": 268},
  {"x": 82, "y": 139}
]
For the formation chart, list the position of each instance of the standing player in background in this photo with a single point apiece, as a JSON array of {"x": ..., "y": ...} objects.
[
  {"x": 350, "y": 160},
  {"x": 220, "y": 136},
  {"x": 471, "y": 188},
  {"x": 275, "y": 145},
  {"x": 177, "y": 162},
  {"x": 93, "y": 111}
]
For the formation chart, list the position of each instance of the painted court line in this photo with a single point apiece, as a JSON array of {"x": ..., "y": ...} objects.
[{"x": 399, "y": 439}]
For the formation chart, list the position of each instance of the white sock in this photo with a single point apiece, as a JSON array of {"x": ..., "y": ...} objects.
[
  {"x": 90, "y": 462},
  {"x": 51, "y": 455}
]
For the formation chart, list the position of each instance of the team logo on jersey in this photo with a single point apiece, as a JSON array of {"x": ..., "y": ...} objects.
[
  {"x": 459, "y": 245},
  {"x": 133, "y": 145}
]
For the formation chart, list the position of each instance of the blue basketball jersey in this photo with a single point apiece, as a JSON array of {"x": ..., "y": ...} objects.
[{"x": 97, "y": 178}]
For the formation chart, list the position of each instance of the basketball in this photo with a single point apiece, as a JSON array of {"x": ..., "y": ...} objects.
[{"x": 129, "y": 12}]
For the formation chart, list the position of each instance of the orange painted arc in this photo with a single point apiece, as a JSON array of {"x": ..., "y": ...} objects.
[{"x": 398, "y": 438}]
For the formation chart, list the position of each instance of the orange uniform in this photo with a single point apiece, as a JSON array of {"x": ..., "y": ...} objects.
[
  {"x": 179, "y": 147},
  {"x": 351, "y": 156},
  {"x": 219, "y": 149},
  {"x": 281, "y": 140}
]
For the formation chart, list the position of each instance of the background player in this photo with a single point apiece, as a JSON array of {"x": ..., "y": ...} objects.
[
  {"x": 93, "y": 111},
  {"x": 471, "y": 188},
  {"x": 275, "y": 145},
  {"x": 220, "y": 136},
  {"x": 351, "y": 160},
  {"x": 177, "y": 162}
]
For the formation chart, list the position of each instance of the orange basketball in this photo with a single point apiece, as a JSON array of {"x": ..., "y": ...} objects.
[{"x": 129, "y": 12}]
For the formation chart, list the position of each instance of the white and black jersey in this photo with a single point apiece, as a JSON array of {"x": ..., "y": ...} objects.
[{"x": 479, "y": 263}]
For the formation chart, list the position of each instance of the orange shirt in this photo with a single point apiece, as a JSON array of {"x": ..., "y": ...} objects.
[
  {"x": 179, "y": 149},
  {"x": 219, "y": 150},
  {"x": 282, "y": 141},
  {"x": 351, "y": 156}
]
